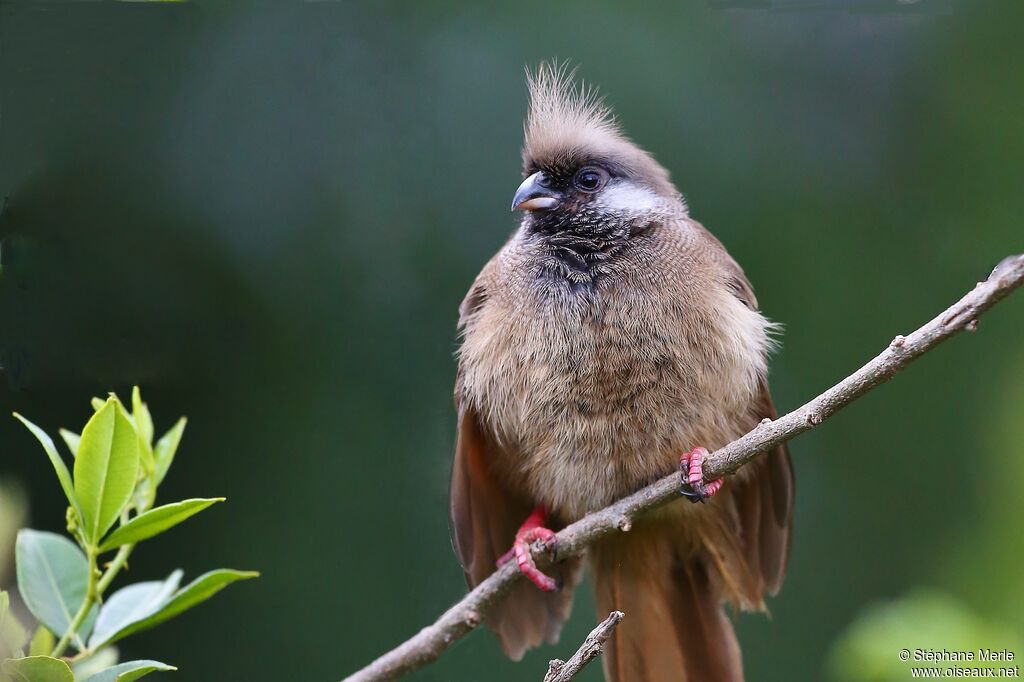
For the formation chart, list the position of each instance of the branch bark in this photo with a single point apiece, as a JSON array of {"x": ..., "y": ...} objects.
[
  {"x": 592, "y": 647},
  {"x": 430, "y": 642}
]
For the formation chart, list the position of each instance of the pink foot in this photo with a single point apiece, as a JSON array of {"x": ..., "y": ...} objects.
[
  {"x": 691, "y": 467},
  {"x": 532, "y": 530}
]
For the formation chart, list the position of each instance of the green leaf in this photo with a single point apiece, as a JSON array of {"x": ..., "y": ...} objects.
[
  {"x": 129, "y": 671},
  {"x": 12, "y": 634},
  {"x": 95, "y": 662},
  {"x": 146, "y": 461},
  {"x": 165, "y": 448},
  {"x": 71, "y": 439},
  {"x": 145, "y": 494},
  {"x": 156, "y": 521},
  {"x": 105, "y": 469},
  {"x": 144, "y": 428},
  {"x": 52, "y": 577},
  {"x": 38, "y": 669},
  {"x": 97, "y": 404},
  {"x": 164, "y": 451},
  {"x": 864, "y": 652},
  {"x": 140, "y": 412},
  {"x": 197, "y": 591},
  {"x": 42, "y": 642},
  {"x": 130, "y": 605},
  {"x": 58, "y": 464}
]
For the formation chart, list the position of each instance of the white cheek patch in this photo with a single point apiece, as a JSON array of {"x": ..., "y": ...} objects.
[{"x": 629, "y": 198}]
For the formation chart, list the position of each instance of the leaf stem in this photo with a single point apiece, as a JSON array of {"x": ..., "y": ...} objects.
[
  {"x": 114, "y": 567},
  {"x": 94, "y": 590},
  {"x": 83, "y": 610}
]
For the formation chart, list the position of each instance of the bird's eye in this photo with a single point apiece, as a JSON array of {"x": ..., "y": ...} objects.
[{"x": 590, "y": 178}]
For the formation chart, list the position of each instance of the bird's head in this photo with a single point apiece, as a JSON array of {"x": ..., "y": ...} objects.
[{"x": 582, "y": 174}]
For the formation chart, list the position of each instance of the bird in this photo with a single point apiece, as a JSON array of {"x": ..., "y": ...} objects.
[{"x": 610, "y": 342}]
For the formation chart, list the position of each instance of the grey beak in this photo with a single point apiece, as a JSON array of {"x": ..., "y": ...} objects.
[{"x": 532, "y": 195}]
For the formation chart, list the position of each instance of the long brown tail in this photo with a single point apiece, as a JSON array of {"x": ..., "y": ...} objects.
[
  {"x": 670, "y": 575},
  {"x": 675, "y": 628}
]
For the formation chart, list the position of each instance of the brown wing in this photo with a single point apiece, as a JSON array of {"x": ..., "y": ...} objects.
[
  {"x": 485, "y": 515},
  {"x": 765, "y": 508},
  {"x": 764, "y": 502}
]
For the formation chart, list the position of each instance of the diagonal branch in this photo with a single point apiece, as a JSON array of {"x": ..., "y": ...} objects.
[
  {"x": 430, "y": 642},
  {"x": 592, "y": 647}
]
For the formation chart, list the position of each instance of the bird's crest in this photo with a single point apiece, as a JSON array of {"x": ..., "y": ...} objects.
[
  {"x": 563, "y": 113},
  {"x": 569, "y": 122}
]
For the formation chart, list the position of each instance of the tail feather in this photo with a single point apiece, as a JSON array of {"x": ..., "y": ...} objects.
[
  {"x": 675, "y": 628},
  {"x": 671, "y": 574}
]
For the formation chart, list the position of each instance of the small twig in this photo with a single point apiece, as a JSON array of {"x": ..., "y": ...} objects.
[
  {"x": 592, "y": 647},
  {"x": 468, "y": 613}
]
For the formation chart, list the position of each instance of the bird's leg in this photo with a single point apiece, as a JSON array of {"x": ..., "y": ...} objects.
[
  {"x": 691, "y": 468},
  {"x": 532, "y": 530}
]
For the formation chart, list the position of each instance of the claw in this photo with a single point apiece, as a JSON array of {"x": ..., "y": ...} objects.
[
  {"x": 694, "y": 487},
  {"x": 531, "y": 531}
]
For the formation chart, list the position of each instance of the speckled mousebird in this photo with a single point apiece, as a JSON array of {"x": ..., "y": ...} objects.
[{"x": 607, "y": 344}]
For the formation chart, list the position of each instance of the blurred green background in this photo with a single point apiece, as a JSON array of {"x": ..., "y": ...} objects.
[{"x": 267, "y": 217}]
